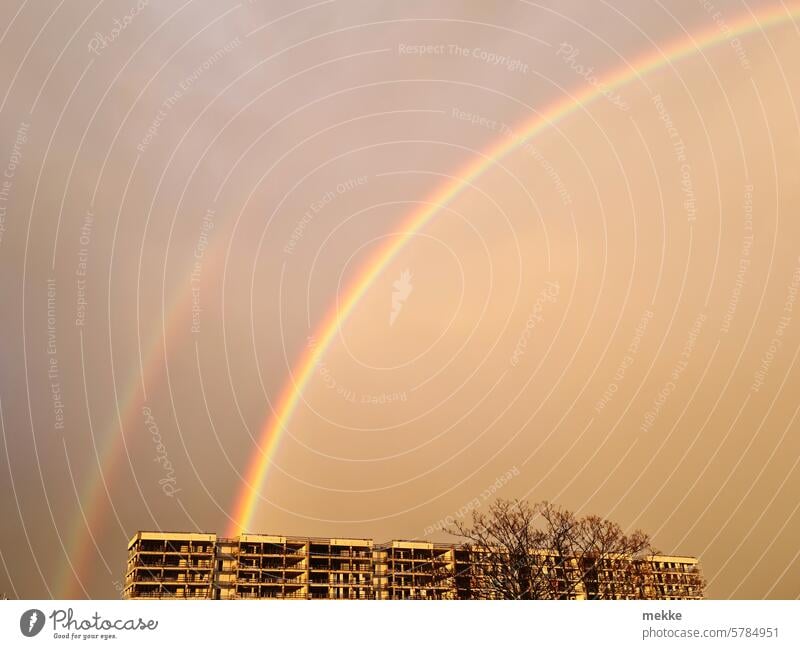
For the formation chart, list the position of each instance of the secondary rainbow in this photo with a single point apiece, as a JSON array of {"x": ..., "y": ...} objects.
[
  {"x": 276, "y": 423},
  {"x": 95, "y": 494}
]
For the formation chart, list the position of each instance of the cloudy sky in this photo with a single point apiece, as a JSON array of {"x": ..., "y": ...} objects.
[{"x": 603, "y": 314}]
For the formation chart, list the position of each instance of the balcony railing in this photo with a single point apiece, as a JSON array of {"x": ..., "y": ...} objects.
[{"x": 202, "y": 564}]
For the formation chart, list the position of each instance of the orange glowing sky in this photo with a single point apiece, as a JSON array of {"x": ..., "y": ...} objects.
[{"x": 606, "y": 310}]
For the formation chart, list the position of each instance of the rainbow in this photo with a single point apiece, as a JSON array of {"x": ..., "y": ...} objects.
[
  {"x": 94, "y": 495},
  {"x": 109, "y": 458},
  {"x": 276, "y": 423}
]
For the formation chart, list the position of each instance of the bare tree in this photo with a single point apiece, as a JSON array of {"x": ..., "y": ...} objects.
[
  {"x": 500, "y": 545},
  {"x": 521, "y": 551},
  {"x": 604, "y": 555},
  {"x": 558, "y": 543}
]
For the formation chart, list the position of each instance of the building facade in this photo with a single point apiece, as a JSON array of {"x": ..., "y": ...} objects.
[{"x": 175, "y": 565}]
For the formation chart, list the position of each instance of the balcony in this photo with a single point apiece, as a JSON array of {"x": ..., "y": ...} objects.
[{"x": 182, "y": 565}]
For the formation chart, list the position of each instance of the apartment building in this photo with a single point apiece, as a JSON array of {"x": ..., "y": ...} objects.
[
  {"x": 414, "y": 570},
  {"x": 172, "y": 565},
  {"x": 254, "y": 566},
  {"x": 250, "y": 566}
]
